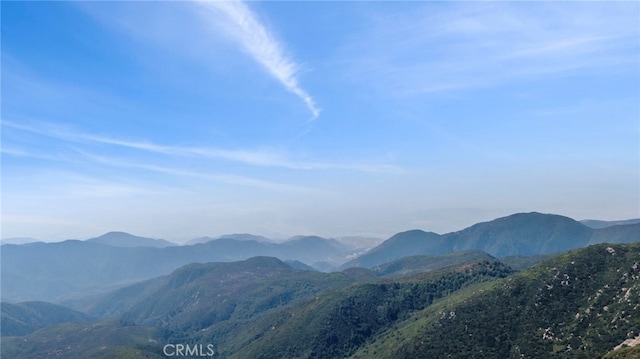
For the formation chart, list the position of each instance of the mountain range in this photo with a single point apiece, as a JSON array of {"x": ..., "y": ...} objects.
[
  {"x": 584, "y": 303},
  {"x": 64, "y": 271},
  {"x": 72, "y": 271}
]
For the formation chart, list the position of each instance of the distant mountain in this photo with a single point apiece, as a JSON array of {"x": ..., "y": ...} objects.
[
  {"x": 308, "y": 248},
  {"x": 359, "y": 242},
  {"x": 616, "y": 234},
  {"x": 122, "y": 239},
  {"x": 27, "y": 317},
  {"x": 237, "y": 236},
  {"x": 593, "y": 223},
  {"x": 583, "y": 304},
  {"x": 66, "y": 271},
  {"x": 18, "y": 240},
  {"x": 400, "y": 245},
  {"x": 522, "y": 234}
]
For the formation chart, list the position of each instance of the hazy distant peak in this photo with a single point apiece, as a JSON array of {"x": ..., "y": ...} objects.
[
  {"x": 597, "y": 224},
  {"x": 18, "y": 240},
  {"x": 246, "y": 237},
  {"x": 123, "y": 239},
  {"x": 235, "y": 236}
]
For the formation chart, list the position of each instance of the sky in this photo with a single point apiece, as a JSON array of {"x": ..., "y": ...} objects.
[{"x": 178, "y": 119}]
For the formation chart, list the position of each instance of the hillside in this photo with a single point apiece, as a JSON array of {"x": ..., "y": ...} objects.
[
  {"x": 199, "y": 295},
  {"x": 400, "y": 245},
  {"x": 522, "y": 234},
  {"x": 27, "y": 317},
  {"x": 411, "y": 265},
  {"x": 581, "y": 304},
  {"x": 96, "y": 340},
  {"x": 336, "y": 323}
]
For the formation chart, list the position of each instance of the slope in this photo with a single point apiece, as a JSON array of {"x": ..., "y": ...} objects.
[
  {"x": 400, "y": 245},
  {"x": 581, "y": 304},
  {"x": 335, "y": 323},
  {"x": 199, "y": 295},
  {"x": 411, "y": 265},
  {"x": 27, "y": 317}
]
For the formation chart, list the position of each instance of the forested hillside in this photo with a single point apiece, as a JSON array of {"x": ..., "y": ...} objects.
[{"x": 581, "y": 304}]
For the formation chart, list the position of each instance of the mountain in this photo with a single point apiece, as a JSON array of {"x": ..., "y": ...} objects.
[
  {"x": 197, "y": 296},
  {"x": 400, "y": 245},
  {"x": 18, "y": 240},
  {"x": 582, "y": 304},
  {"x": 521, "y": 234},
  {"x": 308, "y": 248},
  {"x": 122, "y": 239},
  {"x": 359, "y": 242},
  {"x": 593, "y": 223},
  {"x": 27, "y": 317},
  {"x": 616, "y": 234},
  {"x": 64, "y": 272},
  {"x": 71, "y": 272},
  {"x": 237, "y": 236}
]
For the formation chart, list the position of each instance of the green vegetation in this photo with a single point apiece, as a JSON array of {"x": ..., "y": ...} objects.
[
  {"x": 578, "y": 305},
  {"x": 24, "y": 318},
  {"x": 410, "y": 265},
  {"x": 338, "y": 322},
  {"x": 519, "y": 263},
  {"x": 197, "y": 296},
  {"x": 100, "y": 340}
]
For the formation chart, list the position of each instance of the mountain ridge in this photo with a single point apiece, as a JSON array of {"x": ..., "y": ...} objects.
[
  {"x": 520, "y": 234},
  {"x": 124, "y": 239}
]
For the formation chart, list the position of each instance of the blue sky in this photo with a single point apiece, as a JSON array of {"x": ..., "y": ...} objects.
[{"x": 183, "y": 119}]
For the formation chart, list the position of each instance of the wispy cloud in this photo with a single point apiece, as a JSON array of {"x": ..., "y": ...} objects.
[
  {"x": 218, "y": 177},
  {"x": 255, "y": 39},
  {"x": 261, "y": 158}
]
